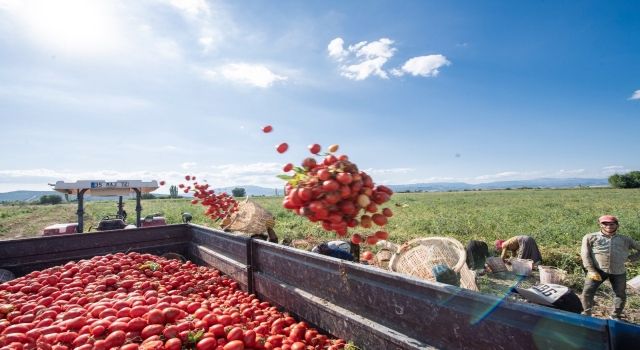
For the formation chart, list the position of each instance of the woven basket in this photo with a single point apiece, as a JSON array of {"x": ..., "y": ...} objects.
[
  {"x": 419, "y": 256},
  {"x": 250, "y": 219}
]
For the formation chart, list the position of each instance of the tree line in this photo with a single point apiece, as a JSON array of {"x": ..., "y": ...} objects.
[{"x": 628, "y": 180}]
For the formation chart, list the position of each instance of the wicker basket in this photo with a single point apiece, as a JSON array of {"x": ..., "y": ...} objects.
[
  {"x": 250, "y": 219},
  {"x": 419, "y": 256}
]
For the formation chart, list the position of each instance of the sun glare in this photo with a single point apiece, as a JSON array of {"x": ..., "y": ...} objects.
[{"x": 73, "y": 27}]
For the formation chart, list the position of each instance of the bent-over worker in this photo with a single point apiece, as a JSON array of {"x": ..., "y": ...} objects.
[{"x": 522, "y": 247}]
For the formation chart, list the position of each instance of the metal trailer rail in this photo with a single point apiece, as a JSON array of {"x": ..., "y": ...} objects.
[{"x": 375, "y": 309}]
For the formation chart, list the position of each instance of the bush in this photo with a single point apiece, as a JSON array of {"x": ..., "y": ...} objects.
[{"x": 50, "y": 199}]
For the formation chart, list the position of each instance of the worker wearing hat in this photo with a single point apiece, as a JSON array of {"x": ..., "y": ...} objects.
[{"x": 603, "y": 256}]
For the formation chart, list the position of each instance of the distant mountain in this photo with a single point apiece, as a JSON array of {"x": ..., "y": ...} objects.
[
  {"x": 535, "y": 183},
  {"x": 25, "y": 196},
  {"x": 32, "y": 196},
  {"x": 253, "y": 190}
]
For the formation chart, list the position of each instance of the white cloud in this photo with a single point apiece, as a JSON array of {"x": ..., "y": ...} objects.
[
  {"x": 365, "y": 69},
  {"x": 188, "y": 165},
  {"x": 635, "y": 96},
  {"x": 336, "y": 49},
  {"x": 424, "y": 66},
  {"x": 365, "y": 59},
  {"x": 571, "y": 172},
  {"x": 251, "y": 74},
  {"x": 372, "y": 171},
  {"x": 614, "y": 169},
  {"x": 375, "y": 49}
]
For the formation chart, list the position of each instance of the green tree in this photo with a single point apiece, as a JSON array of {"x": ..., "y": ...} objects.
[
  {"x": 629, "y": 180},
  {"x": 50, "y": 199},
  {"x": 173, "y": 191},
  {"x": 238, "y": 192}
]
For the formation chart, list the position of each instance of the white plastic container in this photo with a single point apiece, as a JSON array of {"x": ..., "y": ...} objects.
[
  {"x": 550, "y": 274},
  {"x": 522, "y": 267},
  {"x": 634, "y": 283}
]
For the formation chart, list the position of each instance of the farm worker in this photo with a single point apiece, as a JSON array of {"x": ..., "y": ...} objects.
[
  {"x": 336, "y": 249},
  {"x": 477, "y": 253},
  {"x": 522, "y": 247},
  {"x": 603, "y": 255}
]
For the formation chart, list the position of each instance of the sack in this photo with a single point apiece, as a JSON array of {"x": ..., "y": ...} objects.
[
  {"x": 444, "y": 274},
  {"x": 553, "y": 295}
]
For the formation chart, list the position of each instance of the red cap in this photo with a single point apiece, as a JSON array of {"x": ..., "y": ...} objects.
[
  {"x": 607, "y": 218},
  {"x": 499, "y": 244}
]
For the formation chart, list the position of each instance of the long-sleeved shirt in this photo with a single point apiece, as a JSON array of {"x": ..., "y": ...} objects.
[{"x": 606, "y": 253}]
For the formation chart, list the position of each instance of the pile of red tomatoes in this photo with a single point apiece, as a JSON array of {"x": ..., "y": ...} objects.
[
  {"x": 141, "y": 301},
  {"x": 333, "y": 192}
]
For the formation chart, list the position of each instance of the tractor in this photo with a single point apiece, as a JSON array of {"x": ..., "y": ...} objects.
[{"x": 106, "y": 188}]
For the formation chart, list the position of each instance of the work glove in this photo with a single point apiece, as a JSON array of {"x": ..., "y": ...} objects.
[{"x": 594, "y": 276}]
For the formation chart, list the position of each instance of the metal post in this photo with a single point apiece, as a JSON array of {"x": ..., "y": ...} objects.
[
  {"x": 80, "y": 211},
  {"x": 120, "y": 206},
  {"x": 138, "y": 208}
]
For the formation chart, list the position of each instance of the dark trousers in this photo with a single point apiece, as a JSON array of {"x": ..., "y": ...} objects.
[{"x": 619, "y": 285}]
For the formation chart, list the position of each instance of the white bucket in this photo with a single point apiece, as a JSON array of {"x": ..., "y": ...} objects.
[
  {"x": 522, "y": 267},
  {"x": 550, "y": 274},
  {"x": 634, "y": 283}
]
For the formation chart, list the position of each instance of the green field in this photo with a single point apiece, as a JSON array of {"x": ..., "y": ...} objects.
[{"x": 557, "y": 219}]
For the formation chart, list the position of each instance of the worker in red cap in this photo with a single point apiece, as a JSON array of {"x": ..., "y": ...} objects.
[{"x": 603, "y": 256}]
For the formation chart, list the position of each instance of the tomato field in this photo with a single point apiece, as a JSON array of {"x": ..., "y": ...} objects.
[{"x": 557, "y": 219}]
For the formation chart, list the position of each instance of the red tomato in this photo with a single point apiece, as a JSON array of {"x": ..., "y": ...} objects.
[
  {"x": 161, "y": 182},
  {"x": 249, "y": 338},
  {"x": 383, "y": 235},
  {"x": 356, "y": 238},
  {"x": 371, "y": 240},
  {"x": 114, "y": 339},
  {"x": 151, "y": 330},
  {"x": 207, "y": 344},
  {"x": 234, "y": 345},
  {"x": 173, "y": 344},
  {"x": 235, "y": 334},
  {"x": 287, "y": 168},
  {"x": 281, "y": 148},
  {"x": 155, "y": 316},
  {"x": 367, "y": 255},
  {"x": 314, "y": 148},
  {"x": 267, "y": 129},
  {"x": 298, "y": 346},
  {"x": 171, "y": 314}
]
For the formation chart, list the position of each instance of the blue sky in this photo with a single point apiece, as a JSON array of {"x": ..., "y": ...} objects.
[{"x": 412, "y": 91}]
